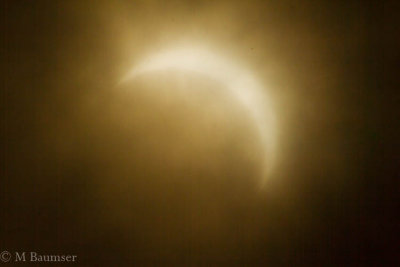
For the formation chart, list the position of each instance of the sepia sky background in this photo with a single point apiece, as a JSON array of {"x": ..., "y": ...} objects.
[{"x": 166, "y": 169}]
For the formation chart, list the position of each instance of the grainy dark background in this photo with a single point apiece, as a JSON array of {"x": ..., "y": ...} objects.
[{"x": 112, "y": 178}]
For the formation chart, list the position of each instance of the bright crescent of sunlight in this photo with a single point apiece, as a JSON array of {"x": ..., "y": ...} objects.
[{"x": 242, "y": 84}]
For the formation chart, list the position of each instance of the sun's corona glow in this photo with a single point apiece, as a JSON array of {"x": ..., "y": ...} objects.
[{"x": 239, "y": 82}]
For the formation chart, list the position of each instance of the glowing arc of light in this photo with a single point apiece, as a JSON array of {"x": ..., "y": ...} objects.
[{"x": 239, "y": 81}]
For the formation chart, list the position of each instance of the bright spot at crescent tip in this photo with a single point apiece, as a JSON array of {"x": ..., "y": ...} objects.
[{"x": 238, "y": 81}]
